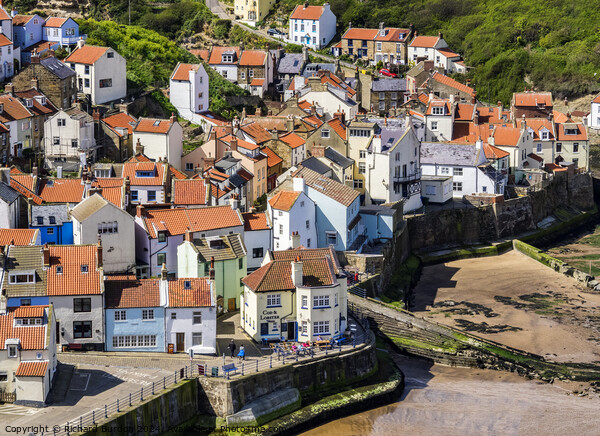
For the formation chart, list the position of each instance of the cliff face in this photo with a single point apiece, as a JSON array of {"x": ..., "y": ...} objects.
[{"x": 63, "y": 8}]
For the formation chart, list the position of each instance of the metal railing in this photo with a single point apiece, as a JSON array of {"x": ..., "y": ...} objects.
[{"x": 93, "y": 417}]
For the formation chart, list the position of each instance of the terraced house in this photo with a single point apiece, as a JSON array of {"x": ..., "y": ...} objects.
[
  {"x": 255, "y": 71},
  {"x": 385, "y": 44}
]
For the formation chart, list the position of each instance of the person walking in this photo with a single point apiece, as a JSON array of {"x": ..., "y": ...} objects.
[
  {"x": 242, "y": 353},
  {"x": 232, "y": 348}
]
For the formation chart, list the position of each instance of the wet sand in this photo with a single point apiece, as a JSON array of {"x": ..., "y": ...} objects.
[
  {"x": 494, "y": 290},
  {"x": 458, "y": 401}
]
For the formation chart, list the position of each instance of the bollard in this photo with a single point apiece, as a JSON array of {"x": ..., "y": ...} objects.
[
  {"x": 353, "y": 342},
  {"x": 129, "y": 399},
  {"x": 81, "y": 422},
  {"x": 271, "y": 362},
  {"x": 284, "y": 359},
  {"x": 164, "y": 383},
  {"x": 186, "y": 372},
  {"x": 242, "y": 369},
  {"x": 152, "y": 388},
  {"x": 105, "y": 411},
  {"x": 256, "y": 365},
  {"x": 296, "y": 356},
  {"x": 175, "y": 377},
  {"x": 206, "y": 370},
  {"x": 326, "y": 351},
  {"x": 118, "y": 408},
  {"x": 142, "y": 394},
  {"x": 93, "y": 417}
]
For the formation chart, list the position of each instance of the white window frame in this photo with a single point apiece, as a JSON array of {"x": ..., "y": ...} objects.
[{"x": 273, "y": 300}]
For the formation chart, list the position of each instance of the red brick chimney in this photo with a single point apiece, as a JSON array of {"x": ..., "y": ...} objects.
[
  {"x": 209, "y": 162},
  {"x": 96, "y": 116},
  {"x": 173, "y": 118},
  {"x": 233, "y": 144},
  {"x": 100, "y": 260},
  {"x": 212, "y": 268},
  {"x": 139, "y": 210},
  {"x": 188, "y": 235},
  {"x": 46, "y": 252},
  {"x": 318, "y": 151}
]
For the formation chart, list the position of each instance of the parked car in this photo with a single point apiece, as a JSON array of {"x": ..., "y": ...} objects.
[
  {"x": 386, "y": 72},
  {"x": 275, "y": 32}
]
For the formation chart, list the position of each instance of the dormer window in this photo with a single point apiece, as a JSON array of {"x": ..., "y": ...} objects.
[
  {"x": 19, "y": 278},
  {"x": 52, "y": 219},
  {"x": 438, "y": 110},
  {"x": 84, "y": 269},
  {"x": 144, "y": 173},
  {"x": 59, "y": 269},
  {"x": 187, "y": 284},
  {"x": 12, "y": 351},
  {"x": 156, "y": 123},
  {"x": 29, "y": 102},
  {"x": 545, "y": 135}
]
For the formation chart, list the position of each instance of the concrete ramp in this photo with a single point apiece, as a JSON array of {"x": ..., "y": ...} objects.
[{"x": 266, "y": 408}]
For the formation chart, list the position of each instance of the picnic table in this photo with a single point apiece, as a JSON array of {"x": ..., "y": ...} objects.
[{"x": 323, "y": 344}]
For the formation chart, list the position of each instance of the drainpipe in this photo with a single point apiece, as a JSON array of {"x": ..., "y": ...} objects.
[{"x": 280, "y": 322}]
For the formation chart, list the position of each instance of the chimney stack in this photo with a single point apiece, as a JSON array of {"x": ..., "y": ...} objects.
[
  {"x": 80, "y": 42},
  {"x": 318, "y": 151},
  {"x": 233, "y": 144},
  {"x": 100, "y": 251},
  {"x": 35, "y": 83},
  {"x": 9, "y": 87},
  {"x": 96, "y": 116},
  {"x": 234, "y": 202},
  {"x": 297, "y": 272},
  {"x": 139, "y": 148},
  {"x": 46, "y": 254},
  {"x": 211, "y": 273},
  {"x": 209, "y": 162},
  {"x": 298, "y": 184},
  {"x": 188, "y": 235},
  {"x": 305, "y": 5},
  {"x": 164, "y": 274},
  {"x": 139, "y": 210},
  {"x": 289, "y": 124},
  {"x": 474, "y": 98},
  {"x": 295, "y": 240},
  {"x": 173, "y": 118},
  {"x": 3, "y": 301}
]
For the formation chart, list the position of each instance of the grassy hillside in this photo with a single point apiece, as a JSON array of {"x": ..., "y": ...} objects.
[{"x": 552, "y": 45}]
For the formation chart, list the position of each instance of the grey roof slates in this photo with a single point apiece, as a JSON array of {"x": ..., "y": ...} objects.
[
  {"x": 382, "y": 85},
  {"x": 335, "y": 190},
  {"x": 233, "y": 248},
  {"x": 448, "y": 154},
  {"x": 8, "y": 194},
  {"x": 56, "y": 67},
  {"x": 290, "y": 63},
  {"x": 28, "y": 258},
  {"x": 311, "y": 69},
  {"x": 338, "y": 158},
  {"x": 316, "y": 165},
  {"x": 237, "y": 180},
  {"x": 59, "y": 211}
]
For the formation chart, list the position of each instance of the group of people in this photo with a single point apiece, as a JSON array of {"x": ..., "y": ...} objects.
[{"x": 242, "y": 353}]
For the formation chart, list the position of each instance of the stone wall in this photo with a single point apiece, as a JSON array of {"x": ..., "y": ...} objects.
[
  {"x": 466, "y": 226},
  {"x": 224, "y": 397}
]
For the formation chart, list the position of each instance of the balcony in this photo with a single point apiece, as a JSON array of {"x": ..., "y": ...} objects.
[
  {"x": 70, "y": 40},
  {"x": 408, "y": 178}
]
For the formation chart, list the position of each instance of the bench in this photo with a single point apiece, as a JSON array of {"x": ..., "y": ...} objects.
[
  {"x": 322, "y": 344},
  {"x": 76, "y": 347},
  {"x": 228, "y": 368}
]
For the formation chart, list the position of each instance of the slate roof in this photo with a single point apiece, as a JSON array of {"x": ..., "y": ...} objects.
[
  {"x": 122, "y": 292},
  {"x": 448, "y": 154},
  {"x": 313, "y": 69},
  {"x": 230, "y": 247},
  {"x": 8, "y": 194},
  {"x": 32, "y": 337},
  {"x": 177, "y": 221},
  {"x": 316, "y": 165},
  {"x": 277, "y": 275},
  {"x": 32, "y": 368},
  {"x": 59, "y": 211},
  {"x": 335, "y": 190},
  {"x": 57, "y": 67},
  {"x": 256, "y": 221},
  {"x": 25, "y": 259},
  {"x": 199, "y": 294},
  {"x": 290, "y": 63},
  {"x": 72, "y": 280},
  {"x": 338, "y": 158},
  {"x": 391, "y": 84}
]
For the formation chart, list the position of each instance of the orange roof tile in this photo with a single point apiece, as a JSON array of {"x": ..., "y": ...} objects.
[
  {"x": 438, "y": 103},
  {"x": 492, "y": 152},
  {"x": 18, "y": 236},
  {"x": 559, "y": 117},
  {"x": 189, "y": 192},
  {"x": 358, "y": 33},
  {"x": 24, "y": 191},
  {"x": 30, "y": 311},
  {"x": 313, "y": 121},
  {"x": 339, "y": 127},
  {"x": 338, "y": 45},
  {"x": 32, "y": 337},
  {"x": 37, "y": 107},
  {"x": 179, "y": 175},
  {"x": 448, "y": 53},
  {"x": 217, "y": 175},
  {"x": 201, "y": 54},
  {"x": 21, "y": 20},
  {"x": 61, "y": 190},
  {"x": 32, "y": 368},
  {"x": 72, "y": 280},
  {"x": 126, "y": 291},
  {"x": 293, "y": 140},
  {"x": 304, "y": 105},
  {"x": 139, "y": 157},
  {"x": 533, "y": 99},
  {"x": 535, "y": 157},
  {"x": 277, "y": 275},
  {"x": 253, "y": 58},
  {"x": 596, "y": 99},
  {"x": 4, "y": 41},
  {"x": 464, "y": 112},
  {"x": 581, "y": 134},
  {"x": 114, "y": 196},
  {"x": 393, "y": 34},
  {"x": 217, "y": 52},
  {"x": 182, "y": 71},
  {"x": 4, "y": 15},
  {"x": 307, "y": 13},
  {"x": 197, "y": 295},
  {"x": 284, "y": 200},
  {"x": 12, "y": 109},
  {"x": 255, "y": 221},
  {"x": 177, "y": 221},
  {"x": 507, "y": 136},
  {"x": 55, "y": 22},
  {"x": 130, "y": 170},
  {"x": 445, "y": 80},
  {"x": 256, "y": 132},
  {"x": 120, "y": 120},
  {"x": 272, "y": 158},
  {"x": 536, "y": 124},
  {"x": 425, "y": 41},
  {"x": 257, "y": 82},
  {"x": 88, "y": 54},
  {"x": 307, "y": 253},
  {"x": 153, "y": 125},
  {"x": 423, "y": 98},
  {"x": 217, "y": 192}
]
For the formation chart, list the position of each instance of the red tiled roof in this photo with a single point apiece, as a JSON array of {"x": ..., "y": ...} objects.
[
  {"x": 152, "y": 125},
  {"x": 72, "y": 280},
  {"x": 55, "y": 22},
  {"x": 307, "y": 253},
  {"x": 256, "y": 132},
  {"x": 130, "y": 170},
  {"x": 4, "y": 41},
  {"x": 18, "y": 236},
  {"x": 255, "y": 221},
  {"x": 32, "y": 368},
  {"x": 30, "y": 311},
  {"x": 188, "y": 192},
  {"x": 492, "y": 152},
  {"x": 533, "y": 99},
  {"x": 314, "y": 121},
  {"x": 535, "y": 157},
  {"x": 272, "y": 158},
  {"x": 448, "y": 53},
  {"x": 24, "y": 191},
  {"x": 32, "y": 337},
  {"x": 423, "y": 98},
  {"x": 596, "y": 99},
  {"x": 177, "y": 221},
  {"x": 4, "y": 15},
  {"x": 253, "y": 58},
  {"x": 139, "y": 158},
  {"x": 179, "y": 175},
  {"x": 240, "y": 142},
  {"x": 182, "y": 71},
  {"x": 21, "y": 20},
  {"x": 425, "y": 41},
  {"x": 507, "y": 136},
  {"x": 284, "y": 200},
  {"x": 217, "y": 175},
  {"x": 126, "y": 291},
  {"x": 393, "y": 34},
  {"x": 307, "y": 13},
  {"x": 559, "y": 117},
  {"x": 217, "y": 52},
  {"x": 257, "y": 82},
  {"x": 198, "y": 294},
  {"x": 293, "y": 140},
  {"x": 41, "y": 46},
  {"x": 108, "y": 182},
  {"x": 277, "y": 275},
  {"x": 464, "y": 112},
  {"x": 201, "y": 54},
  {"x": 358, "y": 33},
  {"x": 13, "y": 109},
  {"x": 88, "y": 54},
  {"x": 445, "y": 80},
  {"x": 217, "y": 192},
  {"x": 536, "y": 124},
  {"x": 304, "y": 105},
  {"x": 37, "y": 108},
  {"x": 120, "y": 120},
  {"x": 580, "y": 136},
  {"x": 438, "y": 103},
  {"x": 61, "y": 190},
  {"x": 339, "y": 127}
]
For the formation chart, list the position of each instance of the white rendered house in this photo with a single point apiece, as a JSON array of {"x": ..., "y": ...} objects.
[
  {"x": 292, "y": 214},
  {"x": 312, "y": 26},
  {"x": 189, "y": 91},
  {"x": 594, "y": 116},
  {"x": 162, "y": 139},
  {"x": 101, "y": 72}
]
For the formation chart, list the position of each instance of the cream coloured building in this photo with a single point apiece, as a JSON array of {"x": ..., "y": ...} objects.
[
  {"x": 297, "y": 295},
  {"x": 252, "y": 11}
]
